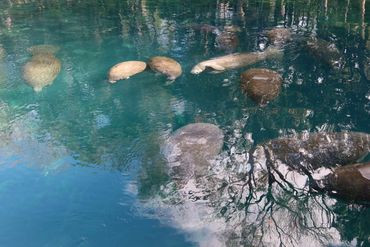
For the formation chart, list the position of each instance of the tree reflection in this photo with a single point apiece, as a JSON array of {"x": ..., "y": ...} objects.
[{"x": 98, "y": 125}]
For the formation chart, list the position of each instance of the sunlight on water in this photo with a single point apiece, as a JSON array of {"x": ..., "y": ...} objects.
[{"x": 84, "y": 162}]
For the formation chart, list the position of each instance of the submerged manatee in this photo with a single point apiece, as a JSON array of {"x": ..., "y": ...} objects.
[
  {"x": 236, "y": 60},
  {"x": 190, "y": 149},
  {"x": 165, "y": 65},
  {"x": 205, "y": 28},
  {"x": 228, "y": 39},
  {"x": 351, "y": 182},
  {"x": 262, "y": 85},
  {"x": 38, "y": 49},
  {"x": 367, "y": 69},
  {"x": 2, "y": 53},
  {"x": 41, "y": 70},
  {"x": 326, "y": 52},
  {"x": 279, "y": 36},
  {"x": 310, "y": 151},
  {"x": 125, "y": 70}
]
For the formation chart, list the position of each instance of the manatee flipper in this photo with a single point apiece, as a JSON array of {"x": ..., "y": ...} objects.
[{"x": 217, "y": 68}]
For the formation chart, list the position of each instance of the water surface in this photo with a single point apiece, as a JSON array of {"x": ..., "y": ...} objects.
[{"x": 81, "y": 163}]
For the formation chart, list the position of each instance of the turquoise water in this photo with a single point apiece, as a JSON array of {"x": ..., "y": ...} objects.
[{"x": 80, "y": 161}]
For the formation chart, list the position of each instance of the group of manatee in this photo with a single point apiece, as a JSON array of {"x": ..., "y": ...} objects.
[
  {"x": 190, "y": 148},
  {"x": 327, "y": 160}
]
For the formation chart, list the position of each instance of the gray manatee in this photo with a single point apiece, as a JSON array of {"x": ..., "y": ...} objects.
[
  {"x": 190, "y": 149},
  {"x": 351, "y": 182},
  {"x": 310, "y": 151},
  {"x": 325, "y": 51},
  {"x": 41, "y": 70},
  {"x": 279, "y": 36}
]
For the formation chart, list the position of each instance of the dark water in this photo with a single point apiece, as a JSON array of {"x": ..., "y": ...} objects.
[{"x": 81, "y": 163}]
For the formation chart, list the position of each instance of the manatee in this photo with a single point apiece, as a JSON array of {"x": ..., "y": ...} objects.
[
  {"x": 227, "y": 41},
  {"x": 279, "y": 36},
  {"x": 165, "y": 65},
  {"x": 2, "y": 53},
  {"x": 235, "y": 60},
  {"x": 351, "y": 182},
  {"x": 367, "y": 69},
  {"x": 41, "y": 70},
  {"x": 190, "y": 149},
  {"x": 326, "y": 52},
  {"x": 205, "y": 28},
  {"x": 262, "y": 85},
  {"x": 310, "y": 151},
  {"x": 125, "y": 70},
  {"x": 37, "y": 49}
]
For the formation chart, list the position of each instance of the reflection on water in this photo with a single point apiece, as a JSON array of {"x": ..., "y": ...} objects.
[{"x": 82, "y": 120}]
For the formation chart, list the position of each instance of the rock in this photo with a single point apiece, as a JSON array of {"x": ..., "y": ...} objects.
[
  {"x": 190, "y": 149},
  {"x": 41, "y": 70},
  {"x": 165, "y": 65},
  {"x": 351, "y": 182},
  {"x": 38, "y": 49},
  {"x": 262, "y": 85},
  {"x": 325, "y": 52},
  {"x": 279, "y": 36},
  {"x": 125, "y": 70}
]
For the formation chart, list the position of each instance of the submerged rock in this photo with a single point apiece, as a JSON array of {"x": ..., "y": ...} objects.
[
  {"x": 165, "y": 65},
  {"x": 125, "y": 70},
  {"x": 279, "y": 36},
  {"x": 351, "y": 182},
  {"x": 190, "y": 149},
  {"x": 41, "y": 70},
  {"x": 262, "y": 85},
  {"x": 38, "y": 49},
  {"x": 326, "y": 52}
]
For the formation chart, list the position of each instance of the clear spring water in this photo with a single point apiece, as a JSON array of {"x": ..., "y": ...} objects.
[{"x": 80, "y": 161}]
